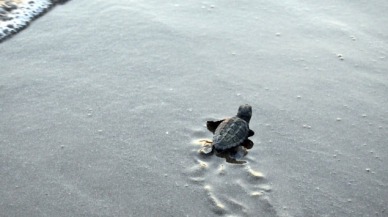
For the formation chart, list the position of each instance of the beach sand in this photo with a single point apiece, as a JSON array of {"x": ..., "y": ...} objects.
[{"x": 102, "y": 105}]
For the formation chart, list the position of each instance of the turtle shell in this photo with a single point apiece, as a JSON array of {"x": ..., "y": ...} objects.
[{"x": 230, "y": 133}]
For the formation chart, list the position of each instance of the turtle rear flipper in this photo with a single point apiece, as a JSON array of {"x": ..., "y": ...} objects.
[
  {"x": 248, "y": 144},
  {"x": 238, "y": 152},
  {"x": 251, "y": 133},
  {"x": 212, "y": 125}
]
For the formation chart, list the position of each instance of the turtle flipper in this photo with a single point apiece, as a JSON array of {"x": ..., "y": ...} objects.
[
  {"x": 248, "y": 144},
  {"x": 251, "y": 133},
  {"x": 230, "y": 155},
  {"x": 207, "y": 147},
  {"x": 212, "y": 125},
  {"x": 237, "y": 152}
]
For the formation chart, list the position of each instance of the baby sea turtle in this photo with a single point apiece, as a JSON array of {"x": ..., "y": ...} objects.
[{"x": 230, "y": 133}]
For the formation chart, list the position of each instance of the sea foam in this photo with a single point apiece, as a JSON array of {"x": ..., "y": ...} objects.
[{"x": 17, "y": 14}]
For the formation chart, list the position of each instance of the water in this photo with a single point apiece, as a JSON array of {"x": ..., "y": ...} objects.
[{"x": 17, "y": 14}]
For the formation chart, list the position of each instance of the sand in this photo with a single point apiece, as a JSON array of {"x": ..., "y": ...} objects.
[{"x": 102, "y": 105}]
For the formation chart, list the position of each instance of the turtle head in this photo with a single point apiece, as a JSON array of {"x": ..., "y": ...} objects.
[{"x": 245, "y": 112}]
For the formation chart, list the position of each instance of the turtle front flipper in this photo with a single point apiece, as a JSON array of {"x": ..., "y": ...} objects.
[
  {"x": 212, "y": 125},
  {"x": 251, "y": 133},
  {"x": 207, "y": 147}
]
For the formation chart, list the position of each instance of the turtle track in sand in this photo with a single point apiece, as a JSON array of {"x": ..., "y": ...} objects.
[{"x": 230, "y": 189}]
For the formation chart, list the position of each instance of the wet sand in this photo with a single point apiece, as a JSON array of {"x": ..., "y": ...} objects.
[{"x": 102, "y": 106}]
